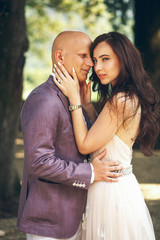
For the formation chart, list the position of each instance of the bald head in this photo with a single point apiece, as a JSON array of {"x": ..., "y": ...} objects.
[
  {"x": 65, "y": 41},
  {"x": 71, "y": 49}
]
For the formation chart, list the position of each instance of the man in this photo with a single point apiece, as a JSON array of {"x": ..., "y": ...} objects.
[{"x": 56, "y": 176}]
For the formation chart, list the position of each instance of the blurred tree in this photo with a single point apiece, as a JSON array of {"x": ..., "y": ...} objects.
[
  {"x": 146, "y": 29},
  {"x": 147, "y": 38},
  {"x": 80, "y": 15},
  {"x": 13, "y": 44},
  {"x": 147, "y": 35},
  {"x": 122, "y": 13},
  {"x": 93, "y": 17},
  {"x": 45, "y": 19}
]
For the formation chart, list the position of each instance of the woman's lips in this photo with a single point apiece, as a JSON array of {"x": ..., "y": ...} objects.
[{"x": 101, "y": 76}]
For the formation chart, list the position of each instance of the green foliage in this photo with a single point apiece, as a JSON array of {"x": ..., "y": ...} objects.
[
  {"x": 46, "y": 18},
  {"x": 33, "y": 78},
  {"x": 122, "y": 11}
]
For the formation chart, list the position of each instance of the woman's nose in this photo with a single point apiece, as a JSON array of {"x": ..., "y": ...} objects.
[{"x": 97, "y": 66}]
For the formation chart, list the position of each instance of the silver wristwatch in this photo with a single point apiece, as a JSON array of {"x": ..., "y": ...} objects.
[{"x": 74, "y": 107}]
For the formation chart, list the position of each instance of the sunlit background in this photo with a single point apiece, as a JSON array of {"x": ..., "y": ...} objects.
[{"x": 91, "y": 17}]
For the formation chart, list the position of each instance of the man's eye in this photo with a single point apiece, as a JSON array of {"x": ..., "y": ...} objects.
[{"x": 83, "y": 55}]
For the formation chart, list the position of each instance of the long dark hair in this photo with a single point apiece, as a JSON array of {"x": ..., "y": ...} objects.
[{"x": 133, "y": 81}]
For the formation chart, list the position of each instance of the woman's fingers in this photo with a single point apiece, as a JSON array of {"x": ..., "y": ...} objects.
[
  {"x": 67, "y": 84},
  {"x": 57, "y": 77},
  {"x": 58, "y": 83},
  {"x": 63, "y": 73},
  {"x": 63, "y": 70},
  {"x": 58, "y": 72}
]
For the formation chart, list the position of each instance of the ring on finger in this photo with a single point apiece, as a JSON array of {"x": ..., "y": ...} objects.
[{"x": 58, "y": 80}]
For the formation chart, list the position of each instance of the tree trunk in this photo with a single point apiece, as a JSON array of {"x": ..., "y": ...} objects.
[
  {"x": 147, "y": 38},
  {"x": 13, "y": 44}
]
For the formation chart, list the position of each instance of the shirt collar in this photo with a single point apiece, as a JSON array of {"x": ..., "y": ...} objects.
[{"x": 52, "y": 74}]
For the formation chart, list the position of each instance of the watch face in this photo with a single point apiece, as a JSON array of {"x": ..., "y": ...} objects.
[{"x": 71, "y": 108}]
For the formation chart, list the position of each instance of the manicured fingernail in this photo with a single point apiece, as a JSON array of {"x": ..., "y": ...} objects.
[
  {"x": 73, "y": 70},
  {"x": 59, "y": 64},
  {"x": 53, "y": 70},
  {"x": 55, "y": 65}
]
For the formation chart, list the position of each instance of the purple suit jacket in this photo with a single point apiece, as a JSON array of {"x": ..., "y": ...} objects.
[{"x": 55, "y": 178}]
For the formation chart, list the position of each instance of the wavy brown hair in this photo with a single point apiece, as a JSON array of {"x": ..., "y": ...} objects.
[{"x": 132, "y": 80}]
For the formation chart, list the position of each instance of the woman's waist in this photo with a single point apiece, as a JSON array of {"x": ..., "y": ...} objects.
[
  {"x": 127, "y": 170},
  {"x": 124, "y": 161}
]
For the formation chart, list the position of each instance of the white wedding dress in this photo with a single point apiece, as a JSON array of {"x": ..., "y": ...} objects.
[{"x": 117, "y": 211}]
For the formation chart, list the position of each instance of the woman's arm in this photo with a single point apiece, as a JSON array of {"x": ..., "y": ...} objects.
[
  {"x": 106, "y": 125},
  {"x": 101, "y": 132}
]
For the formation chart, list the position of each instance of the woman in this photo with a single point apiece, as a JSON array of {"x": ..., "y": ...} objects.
[{"x": 115, "y": 211}]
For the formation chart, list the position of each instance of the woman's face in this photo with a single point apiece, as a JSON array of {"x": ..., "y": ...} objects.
[{"x": 106, "y": 63}]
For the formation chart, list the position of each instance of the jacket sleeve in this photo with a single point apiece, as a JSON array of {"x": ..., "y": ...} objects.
[{"x": 39, "y": 121}]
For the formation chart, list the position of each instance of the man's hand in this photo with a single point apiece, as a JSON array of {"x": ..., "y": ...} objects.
[{"x": 104, "y": 170}]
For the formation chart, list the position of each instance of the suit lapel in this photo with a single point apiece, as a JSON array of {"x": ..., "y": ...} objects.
[
  {"x": 87, "y": 120},
  {"x": 65, "y": 103},
  {"x": 61, "y": 96}
]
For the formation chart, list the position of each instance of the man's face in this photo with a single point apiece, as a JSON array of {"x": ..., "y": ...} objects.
[{"x": 77, "y": 56}]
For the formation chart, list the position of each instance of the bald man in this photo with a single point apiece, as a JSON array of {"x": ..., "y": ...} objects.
[{"x": 56, "y": 176}]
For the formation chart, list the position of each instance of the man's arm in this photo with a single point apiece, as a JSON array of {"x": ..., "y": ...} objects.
[{"x": 40, "y": 119}]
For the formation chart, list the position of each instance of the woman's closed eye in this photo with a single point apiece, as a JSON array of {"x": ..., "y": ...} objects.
[{"x": 83, "y": 55}]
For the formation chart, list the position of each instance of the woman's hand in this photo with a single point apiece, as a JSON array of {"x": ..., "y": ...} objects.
[{"x": 68, "y": 85}]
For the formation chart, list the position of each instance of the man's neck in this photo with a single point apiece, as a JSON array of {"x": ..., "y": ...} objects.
[{"x": 81, "y": 84}]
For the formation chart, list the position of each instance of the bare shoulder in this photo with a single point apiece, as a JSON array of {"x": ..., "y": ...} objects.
[
  {"x": 128, "y": 103},
  {"x": 123, "y": 106}
]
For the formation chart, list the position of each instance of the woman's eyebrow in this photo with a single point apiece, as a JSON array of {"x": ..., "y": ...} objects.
[{"x": 103, "y": 55}]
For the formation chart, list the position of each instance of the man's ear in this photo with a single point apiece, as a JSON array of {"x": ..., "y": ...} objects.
[{"x": 59, "y": 56}]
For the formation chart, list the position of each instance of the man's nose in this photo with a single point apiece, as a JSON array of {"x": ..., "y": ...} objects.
[{"x": 89, "y": 62}]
